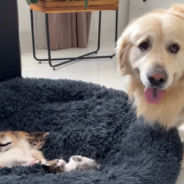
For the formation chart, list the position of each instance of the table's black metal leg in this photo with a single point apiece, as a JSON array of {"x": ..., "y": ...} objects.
[
  {"x": 116, "y": 30},
  {"x": 49, "y": 51},
  {"x": 68, "y": 60},
  {"x": 33, "y": 37},
  {"x": 99, "y": 31},
  {"x": 33, "y": 42},
  {"x": 48, "y": 40}
]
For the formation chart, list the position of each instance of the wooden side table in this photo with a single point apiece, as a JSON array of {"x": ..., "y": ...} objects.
[{"x": 63, "y": 6}]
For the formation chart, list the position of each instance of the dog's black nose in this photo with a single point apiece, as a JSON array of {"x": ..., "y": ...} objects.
[{"x": 157, "y": 76}]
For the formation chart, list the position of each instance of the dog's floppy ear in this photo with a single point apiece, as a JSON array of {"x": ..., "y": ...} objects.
[
  {"x": 122, "y": 50},
  {"x": 178, "y": 8}
]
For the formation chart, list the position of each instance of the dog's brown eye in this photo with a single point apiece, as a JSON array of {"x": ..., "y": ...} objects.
[
  {"x": 144, "y": 46},
  {"x": 174, "y": 49}
]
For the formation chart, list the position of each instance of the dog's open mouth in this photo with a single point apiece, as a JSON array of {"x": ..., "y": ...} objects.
[{"x": 154, "y": 95}]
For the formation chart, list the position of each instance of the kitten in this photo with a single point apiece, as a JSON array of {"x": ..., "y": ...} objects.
[
  {"x": 81, "y": 163},
  {"x": 37, "y": 141},
  {"x": 15, "y": 156},
  {"x": 15, "y": 139},
  {"x": 55, "y": 166},
  {"x": 27, "y": 144},
  {"x": 77, "y": 163}
]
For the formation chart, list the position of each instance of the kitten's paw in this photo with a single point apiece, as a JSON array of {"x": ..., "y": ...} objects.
[
  {"x": 50, "y": 163},
  {"x": 44, "y": 162},
  {"x": 31, "y": 162},
  {"x": 57, "y": 163},
  {"x": 60, "y": 163}
]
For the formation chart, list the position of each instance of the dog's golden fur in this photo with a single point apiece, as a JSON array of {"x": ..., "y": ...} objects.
[{"x": 170, "y": 110}]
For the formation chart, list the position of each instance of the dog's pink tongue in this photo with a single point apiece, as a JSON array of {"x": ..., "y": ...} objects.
[{"x": 153, "y": 95}]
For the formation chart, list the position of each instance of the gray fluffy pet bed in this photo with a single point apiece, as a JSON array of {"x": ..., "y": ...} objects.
[{"x": 89, "y": 120}]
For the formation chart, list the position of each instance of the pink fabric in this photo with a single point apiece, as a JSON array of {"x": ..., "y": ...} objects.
[{"x": 69, "y": 30}]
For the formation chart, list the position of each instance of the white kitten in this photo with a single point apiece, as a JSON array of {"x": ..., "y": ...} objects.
[{"x": 77, "y": 162}]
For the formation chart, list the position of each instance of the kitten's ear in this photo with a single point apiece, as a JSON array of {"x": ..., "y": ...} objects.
[
  {"x": 179, "y": 8},
  {"x": 46, "y": 134},
  {"x": 30, "y": 137}
]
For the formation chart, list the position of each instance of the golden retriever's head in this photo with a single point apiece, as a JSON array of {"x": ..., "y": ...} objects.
[{"x": 151, "y": 51}]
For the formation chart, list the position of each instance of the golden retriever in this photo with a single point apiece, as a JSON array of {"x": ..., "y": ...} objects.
[{"x": 151, "y": 52}]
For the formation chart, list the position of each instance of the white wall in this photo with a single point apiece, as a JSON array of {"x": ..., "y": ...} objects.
[
  {"x": 108, "y": 24},
  {"x": 24, "y": 25},
  {"x": 123, "y": 15}
]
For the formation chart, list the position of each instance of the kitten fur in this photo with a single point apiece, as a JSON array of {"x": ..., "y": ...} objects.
[
  {"x": 16, "y": 148},
  {"x": 77, "y": 163},
  {"x": 56, "y": 166},
  {"x": 37, "y": 141},
  {"x": 14, "y": 157},
  {"x": 18, "y": 139}
]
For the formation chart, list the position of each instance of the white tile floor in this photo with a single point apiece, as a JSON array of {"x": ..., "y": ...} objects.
[{"x": 102, "y": 71}]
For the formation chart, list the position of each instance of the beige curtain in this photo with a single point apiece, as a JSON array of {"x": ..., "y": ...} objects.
[{"x": 69, "y": 30}]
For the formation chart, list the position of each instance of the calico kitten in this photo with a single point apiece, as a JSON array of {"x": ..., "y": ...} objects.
[
  {"x": 15, "y": 149},
  {"x": 37, "y": 141},
  {"x": 77, "y": 163},
  {"x": 14, "y": 157},
  {"x": 15, "y": 139},
  {"x": 29, "y": 143}
]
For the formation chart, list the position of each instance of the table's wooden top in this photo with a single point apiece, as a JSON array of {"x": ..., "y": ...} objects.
[{"x": 63, "y": 6}]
